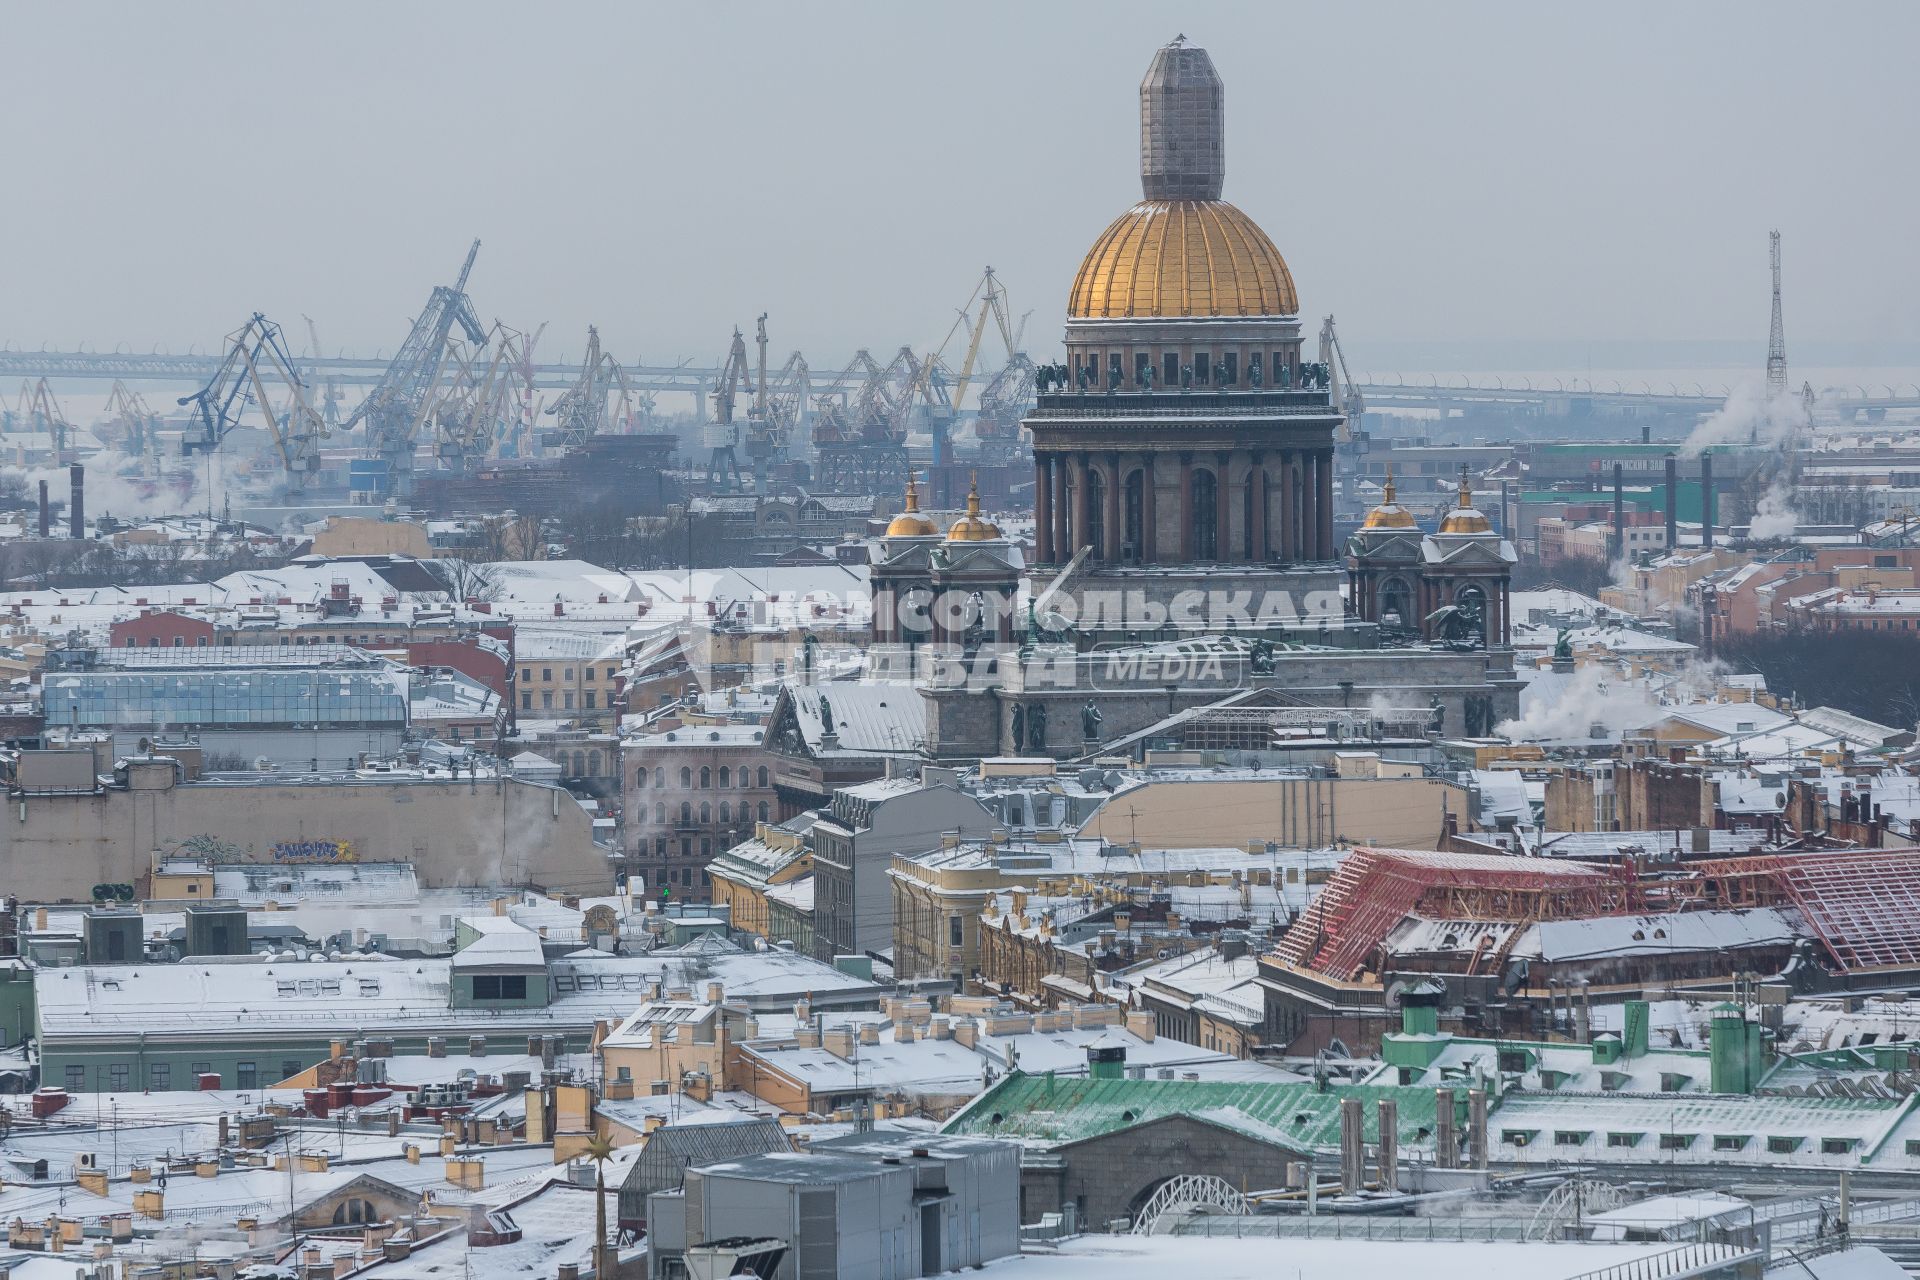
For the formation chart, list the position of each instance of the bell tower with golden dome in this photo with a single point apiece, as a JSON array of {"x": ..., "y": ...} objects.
[{"x": 1188, "y": 432}]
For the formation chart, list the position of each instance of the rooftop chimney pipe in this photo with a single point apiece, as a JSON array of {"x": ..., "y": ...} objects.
[
  {"x": 77, "y": 506},
  {"x": 46, "y": 511},
  {"x": 1619, "y": 517}
]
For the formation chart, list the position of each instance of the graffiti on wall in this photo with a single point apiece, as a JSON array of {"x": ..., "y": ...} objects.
[{"x": 315, "y": 851}]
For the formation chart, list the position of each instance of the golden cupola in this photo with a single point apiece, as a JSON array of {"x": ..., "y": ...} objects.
[
  {"x": 1389, "y": 514},
  {"x": 912, "y": 523},
  {"x": 973, "y": 527},
  {"x": 1182, "y": 252},
  {"x": 1465, "y": 517}
]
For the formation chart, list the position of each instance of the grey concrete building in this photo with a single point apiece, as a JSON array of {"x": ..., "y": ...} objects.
[
  {"x": 854, "y": 844},
  {"x": 866, "y": 1207}
]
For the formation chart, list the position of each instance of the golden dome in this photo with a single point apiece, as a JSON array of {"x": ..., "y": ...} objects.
[
  {"x": 910, "y": 523},
  {"x": 1464, "y": 518},
  {"x": 973, "y": 527},
  {"x": 1389, "y": 514},
  {"x": 1170, "y": 258}
]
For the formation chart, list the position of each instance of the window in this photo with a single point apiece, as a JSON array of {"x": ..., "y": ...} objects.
[
  {"x": 76, "y": 1078},
  {"x": 660, "y": 813},
  {"x": 589, "y": 675},
  {"x": 568, "y": 696},
  {"x": 659, "y": 777},
  {"x": 1782, "y": 1146},
  {"x": 1231, "y": 376},
  {"x": 354, "y": 1212},
  {"x": 499, "y": 986},
  {"x": 726, "y": 776},
  {"x": 1729, "y": 1141},
  {"x": 763, "y": 811},
  {"x": 1170, "y": 369},
  {"x": 546, "y": 699},
  {"x": 1202, "y": 368},
  {"x": 590, "y": 699},
  {"x": 706, "y": 813},
  {"x": 159, "y": 1076},
  {"x": 117, "y": 1077},
  {"x": 954, "y": 934},
  {"x": 1836, "y": 1146},
  {"x": 289, "y": 1068},
  {"x": 526, "y": 701},
  {"x": 1675, "y": 1141},
  {"x": 726, "y": 812},
  {"x": 1623, "y": 1139},
  {"x": 763, "y": 775},
  {"x": 246, "y": 1075},
  {"x": 204, "y": 1068},
  {"x": 706, "y": 778},
  {"x": 686, "y": 776},
  {"x": 546, "y": 675},
  {"x": 1568, "y": 1138},
  {"x": 686, "y": 813},
  {"x": 526, "y": 675}
]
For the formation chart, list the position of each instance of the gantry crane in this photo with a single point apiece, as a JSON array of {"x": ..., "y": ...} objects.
[
  {"x": 40, "y": 413},
  {"x": 1346, "y": 392},
  {"x": 330, "y": 396},
  {"x": 256, "y": 358},
  {"x": 581, "y": 410},
  {"x": 485, "y": 403},
  {"x": 400, "y": 401},
  {"x": 722, "y": 434},
  {"x": 130, "y": 425},
  {"x": 862, "y": 445}
]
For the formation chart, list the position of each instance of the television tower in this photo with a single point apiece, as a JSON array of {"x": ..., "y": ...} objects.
[{"x": 1777, "y": 339}]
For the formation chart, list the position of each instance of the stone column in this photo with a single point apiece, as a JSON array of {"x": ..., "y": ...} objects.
[
  {"x": 1062, "y": 538},
  {"x": 1043, "y": 508},
  {"x": 1289, "y": 545},
  {"x": 1077, "y": 523},
  {"x": 1116, "y": 535},
  {"x": 1186, "y": 506},
  {"x": 1323, "y": 474},
  {"x": 1149, "y": 512},
  {"x": 1223, "y": 510},
  {"x": 1259, "y": 483}
]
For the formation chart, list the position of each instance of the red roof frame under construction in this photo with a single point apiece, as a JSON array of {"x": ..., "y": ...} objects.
[
  {"x": 1862, "y": 905},
  {"x": 1375, "y": 889}
]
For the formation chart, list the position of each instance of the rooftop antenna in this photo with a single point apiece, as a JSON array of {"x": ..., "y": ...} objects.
[{"x": 1777, "y": 337}]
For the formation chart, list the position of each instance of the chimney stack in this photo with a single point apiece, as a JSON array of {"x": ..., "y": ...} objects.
[
  {"x": 46, "y": 511},
  {"x": 77, "y": 507},
  {"x": 1619, "y": 517},
  {"x": 1706, "y": 500},
  {"x": 1673, "y": 502}
]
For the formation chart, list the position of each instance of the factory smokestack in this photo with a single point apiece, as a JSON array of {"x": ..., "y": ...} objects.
[
  {"x": 77, "y": 505},
  {"x": 1619, "y": 517},
  {"x": 1183, "y": 126},
  {"x": 46, "y": 511},
  {"x": 1706, "y": 499},
  {"x": 1673, "y": 502}
]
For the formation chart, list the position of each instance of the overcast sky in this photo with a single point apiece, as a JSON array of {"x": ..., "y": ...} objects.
[{"x": 1483, "y": 171}]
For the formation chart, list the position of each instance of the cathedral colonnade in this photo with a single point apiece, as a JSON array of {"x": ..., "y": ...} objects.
[{"x": 1183, "y": 506}]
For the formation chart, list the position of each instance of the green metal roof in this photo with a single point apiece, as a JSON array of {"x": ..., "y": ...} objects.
[{"x": 1053, "y": 1110}]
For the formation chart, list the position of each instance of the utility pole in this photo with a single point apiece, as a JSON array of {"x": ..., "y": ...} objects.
[{"x": 1777, "y": 337}]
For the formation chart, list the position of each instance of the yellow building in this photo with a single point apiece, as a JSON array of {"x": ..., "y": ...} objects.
[{"x": 371, "y": 536}]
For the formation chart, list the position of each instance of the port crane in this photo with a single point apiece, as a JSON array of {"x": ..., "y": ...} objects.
[
  {"x": 401, "y": 400},
  {"x": 1346, "y": 392},
  {"x": 581, "y": 410},
  {"x": 722, "y": 433},
  {"x": 255, "y": 361}
]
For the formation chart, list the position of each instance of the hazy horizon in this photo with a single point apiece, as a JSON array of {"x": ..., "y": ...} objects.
[{"x": 1494, "y": 177}]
